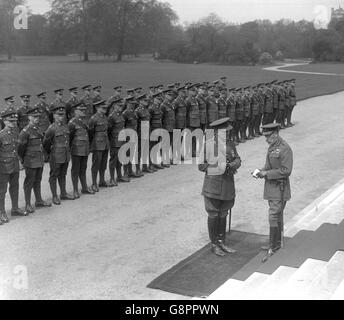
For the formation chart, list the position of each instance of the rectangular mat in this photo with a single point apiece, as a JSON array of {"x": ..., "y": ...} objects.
[{"x": 203, "y": 272}]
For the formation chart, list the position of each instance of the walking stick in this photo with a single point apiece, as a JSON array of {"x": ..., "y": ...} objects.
[{"x": 282, "y": 187}]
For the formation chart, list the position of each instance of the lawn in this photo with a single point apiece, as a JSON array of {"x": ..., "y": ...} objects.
[{"x": 30, "y": 75}]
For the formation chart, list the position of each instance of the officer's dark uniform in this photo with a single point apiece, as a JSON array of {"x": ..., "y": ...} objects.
[
  {"x": 231, "y": 104},
  {"x": 277, "y": 169},
  {"x": 268, "y": 105},
  {"x": 88, "y": 102},
  {"x": 274, "y": 100},
  {"x": 23, "y": 119},
  {"x": 281, "y": 105},
  {"x": 239, "y": 115},
  {"x": 246, "y": 100},
  {"x": 212, "y": 108},
  {"x": 292, "y": 95},
  {"x": 116, "y": 125},
  {"x": 143, "y": 116},
  {"x": 218, "y": 187},
  {"x": 30, "y": 150},
  {"x": 9, "y": 165},
  {"x": 259, "y": 118},
  {"x": 202, "y": 110},
  {"x": 44, "y": 119},
  {"x": 254, "y": 113},
  {"x": 57, "y": 144},
  {"x": 98, "y": 133},
  {"x": 71, "y": 103},
  {"x": 222, "y": 103},
  {"x": 80, "y": 149}
]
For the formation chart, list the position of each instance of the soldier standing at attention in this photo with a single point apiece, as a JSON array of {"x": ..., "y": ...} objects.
[
  {"x": 254, "y": 112},
  {"x": 116, "y": 96},
  {"x": 44, "y": 119},
  {"x": 202, "y": 106},
  {"x": 239, "y": 115},
  {"x": 30, "y": 151},
  {"x": 193, "y": 116},
  {"x": 143, "y": 115},
  {"x": 292, "y": 95},
  {"x": 274, "y": 100},
  {"x": 212, "y": 107},
  {"x": 218, "y": 187},
  {"x": 97, "y": 94},
  {"x": 116, "y": 125},
  {"x": 281, "y": 105},
  {"x": 276, "y": 172},
  {"x": 9, "y": 103},
  {"x": 246, "y": 100},
  {"x": 222, "y": 103},
  {"x": 168, "y": 122},
  {"x": 80, "y": 149},
  {"x": 155, "y": 123},
  {"x": 58, "y": 103},
  {"x": 268, "y": 116},
  {"x": 231, "y": 104},
  {"x": 259, "y": 118},
  {"x": 98, "y": 133},
  {"x": 56, "y": 143},
  {"x": 71, "y": 103},
  {"x": 23, "y": 119},
  {"x": 88, "y": 102},
  {"x": 9, "y": 164}
]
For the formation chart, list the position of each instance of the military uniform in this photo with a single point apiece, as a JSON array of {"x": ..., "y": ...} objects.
[
  {"x": 292, "y": 102},
  {"x": 254, "y": 113},
  {"x": 246, "y": 101},
  {"x": 23, "y": 119},
  {"x": 277, "y": 170},
  {"x": 57, "y": 144},
  {"x": 179, "y": 107},
  {"x": 218, "y": 187},
  {"x": 30, "y": 150},
  {"x": 9, "y": 165},
  {"x": 259, "y": 118},
  {"x": 58, "y": 103},
  {"x": 193, "y": 118},
  {"x": 44, "y": 121},
  {"x": 80, "y": 149},
  {"x": 212, "y": 109},
  {"x": 70, "y": 104},
  {"x": 88, "y": 102},
  {"x": 268, "y": 106},
  {"x": 116, "y": 125},
  {"x": 231, "y": 104},
  {"x": 98, "y": 132},
  {"x": 202, "y": 110}
]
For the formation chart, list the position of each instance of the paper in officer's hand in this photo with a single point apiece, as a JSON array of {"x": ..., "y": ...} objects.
[{"x": 255, "y": 174}]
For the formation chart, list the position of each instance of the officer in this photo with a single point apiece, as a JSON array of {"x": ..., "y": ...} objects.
[
  {"x": 292, "y": 95},
  {"x": 88, "y": 102},
  {"x": 116, "y": 125},
  {"x": 72, "y": 102},
  {"x": 168, "y": 123},
  {"x": 22, "y": 112},
  {"x": 58, "y": 103},
  {"x": 239, "y": 114},
  {"x": 98, "y": 133},
  {"x": 281, "y": 104},
  {"x": 114, "y": 97},
  {"x": 130, "y": 117},
  {"x": 276, "y": 172},
  {"x": 80, "y": 149},
  {"x": 231, "y": 104},
  {"x": 218, "y": 187},
  {"x": 201, "y": 99},
  {"x": 155, "y": 123},
  {"x": 222, "y": 103},
  {"x": 44, "y": 120},
  {"x": 192, "y": 114},
  {"x": 246, "y": 101},
  {"x": 30, "y": 151},
  {"x": 9, "y": 103},
  {"x": 143, "y": 116},
  {"x": 212, "y": 106},
  {"x": 97, "y": 94},
  {"x": 259, "y": 118},
  {"x": 9, "y": 164},
  {"x": 254, "y": 112},
  {"x": 56, "y": 143},
  {"x": 268, "y": 104},
  {"x": 274, "y": 88}
]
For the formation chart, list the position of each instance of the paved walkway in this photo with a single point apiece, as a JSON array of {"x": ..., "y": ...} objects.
[{"x": 288, "y": 65}]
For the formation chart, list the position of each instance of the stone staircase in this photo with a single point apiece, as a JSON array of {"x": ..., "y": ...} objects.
[{"x": 310, "y": 267}]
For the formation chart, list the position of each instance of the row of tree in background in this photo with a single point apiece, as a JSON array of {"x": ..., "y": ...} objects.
[{"x": 129, "y": 27}]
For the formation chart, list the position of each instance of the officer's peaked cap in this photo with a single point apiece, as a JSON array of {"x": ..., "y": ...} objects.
[
  {"x": 221, "y": 124},
  {"x": 270, "y": 128}
]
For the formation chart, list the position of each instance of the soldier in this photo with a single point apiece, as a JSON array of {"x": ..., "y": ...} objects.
[
  {"x": 80, "y": 149},
  {"x": 218, "y": 187},
  {"x": 155, "y": 123},
  {"x": 212, "y": 106},
  {"x": 116, "y": 125},
  {"x": 143, "y": 115},
  {"x": 239, "y": 115},
  {"x": 97, "y": 94},
  {"x": 9, "y": 164},
  {"x": 274, "y": 89},
  {"x": 30, "y": 151},
  {"x": 222, "y": 103},
  {"x": 276, "y": 172},
  {"x": 281, "y": 105},
  {"x": 98, "y": 133},
  {"x": 9, "y": 103},
  {"x": 246, "y": 100},
  {"x": 88, "y": 102},
  {"x": 58, "y": 103},
  {"x": 268, "y": 116},
  {"x": 259, "y": 118},
  {"x": 22, "y": 112},
  {"x": 56, "y": 143},
  {"x": 292, "y": 95},
  {"x": 71, "y": 103},
  {"x": 231, "y": 104},
  {"x": 168, "y": 122},
  {"x": 150, "y": 94},
  {"x": 44, "y": 120},
  {"x": 192, "y": 114},
  {"x": 254, "y": 112},
  {"x": 201, "y": 99},
  {"x": 116, "y": 96},
  {"x": 130, "y": 118}
]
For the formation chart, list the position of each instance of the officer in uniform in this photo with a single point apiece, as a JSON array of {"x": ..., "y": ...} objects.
[
  {"x": 275, "y": 99},
  {"x": 239, "y": 115},
  {"x": 254, "y": 113},
  {"x": 281, "y": 105},
  {"x": 44, "y": 120},
  {"x": 114, "y": 97},
  {"x": 58, "y": 103},
  {"x": 71, "y": 103},
  {"x": 97, "y": 94},
  {"x": 116, "y": 125},
  {"x": 23, "y": 119},
  {"x": 218, "y": 187},
  {"x": 130, "y": 118},
  {"x": 276, "y": 172},
  {"x": 222, "y": 103},
  {"x": 246, "y": 101},
  {"x": 268, "y": 104},
  {"x": 192, "y": 114},
  {"x": 56, "y": 143},
  {"x": 143, "y": 115},
  {"x": 212, "y": 106},
  {"x": 80, "y": 149},
  {"x": 259, "y": 118},
  {"x": 88, "y": 102},
  {"x": 292, "y": 95},
  {"x": 168, "y": 122},
  {"x": 201, "y": 99},
  {"x": 9, "y": 164},
  {"x": 30, "y": 151},
  {"x": 98, "y": 133},
  {"x": 231, "y": 104}
]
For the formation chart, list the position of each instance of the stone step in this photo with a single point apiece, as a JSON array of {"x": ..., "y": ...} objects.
[
  {"x": 250, "y": 285},
  {"x": 339, "y": 293},
  {"x": 230, "y": 285},
  {"x": 269, "y": 288},
  {"x": 300, "y": 281}
]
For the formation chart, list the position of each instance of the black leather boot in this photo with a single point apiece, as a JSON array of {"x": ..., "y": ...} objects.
[
  {"x": 222, "y": 235},
  {"x": 212, "y": 229}
]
